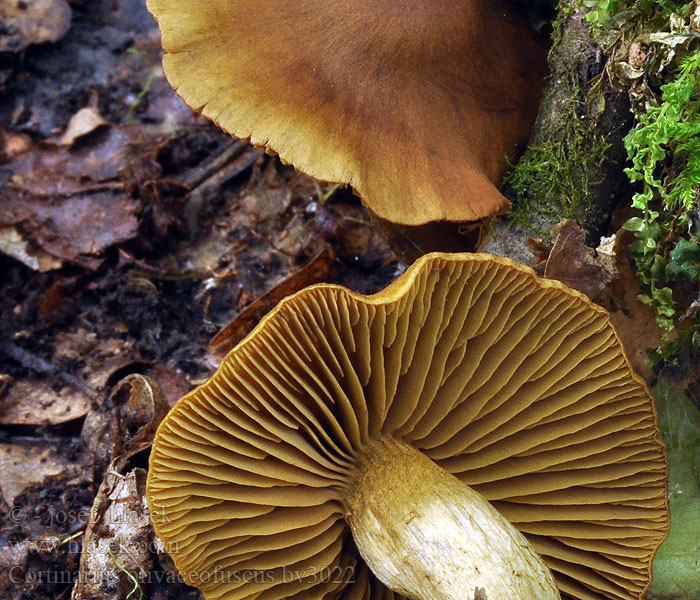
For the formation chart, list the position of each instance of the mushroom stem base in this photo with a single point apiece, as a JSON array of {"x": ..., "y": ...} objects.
[{"x": 428, "y": 536}]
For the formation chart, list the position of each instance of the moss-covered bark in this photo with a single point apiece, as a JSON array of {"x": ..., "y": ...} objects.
[{"x": 573, "y": 166}]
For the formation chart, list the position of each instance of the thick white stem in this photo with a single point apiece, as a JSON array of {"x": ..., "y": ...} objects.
[{"x": 428, "y": 536}]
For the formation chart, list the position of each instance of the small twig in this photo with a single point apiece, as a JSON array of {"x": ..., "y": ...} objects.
[
  {"x": 213, "y": 175},
  {"x": 63, "y": 594},
  {"x": 208, "y": 167},
  {"x": 39, "y": 365},
  {"x": 75, "y": 536},
  {"x": 58, "y": 193}
]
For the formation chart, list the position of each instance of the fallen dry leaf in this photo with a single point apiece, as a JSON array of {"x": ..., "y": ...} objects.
[
  {"x": 125, "y": 423},
  {"x": 42, "y": 402},
  {"x": 74, "y": 229},
  {"x": 50, "y": 170},
  {"x": 540, "y": 250},
  {"x": 13, "y": 244},
  {"x": 14, "y": 144},
  {"x": 119, "y": 532},
  {"x": 85, "y": 121},
  {"x": 83, "y": 225},
  {"x": 29, "y": 462},
  {"x": 29, "y": 22},
  {"x": 13, "y": 213},
  {"x": 118, "y": 540},
  {"x": 173, "y": 384},
  {"x": 575, "y": 264},
  {"x": 607, "y": 277},
  {"x": 69, "y": 201},
  {"x": 313, "y": 272},
  {"x": 78, "y": 228}
]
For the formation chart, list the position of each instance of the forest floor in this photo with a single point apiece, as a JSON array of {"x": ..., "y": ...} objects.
[{"x": 131, "y": 232}]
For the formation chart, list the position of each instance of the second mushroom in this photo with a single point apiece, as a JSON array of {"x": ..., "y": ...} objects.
[
  {"x": 417, "y": 105},
  {"x": 472, "y": 431}
]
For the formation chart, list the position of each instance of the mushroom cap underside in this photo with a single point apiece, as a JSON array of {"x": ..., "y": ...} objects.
[
  {"x": 515, "y": 384},
  {"x": 415, "y": 104}
]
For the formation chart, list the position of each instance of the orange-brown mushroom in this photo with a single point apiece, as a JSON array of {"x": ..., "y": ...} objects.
[
  {"x": 468, "y": 386},
  {"x": 414, "y": 104}
]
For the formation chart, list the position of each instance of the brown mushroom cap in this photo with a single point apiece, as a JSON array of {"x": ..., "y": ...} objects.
[
  {"x": 517, "y": 385},
  {"x": 415, "y": 104}
]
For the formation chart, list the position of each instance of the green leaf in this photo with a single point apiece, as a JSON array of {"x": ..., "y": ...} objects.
[
  {"x": 644, "y": 298},
  {"x": 637, "y": 248},
  {"x": 677, "y": 563},
  {"x": 664, "y": 299},
  {"x": 677, "y": 271},
  {"x": 666, "y": 324},
  {"x": 658, "y": 267},
  {"x": 640, "y": 201},
  {"x": 634, "y": 224},
  {"x": 685, "y": 261},
  {"x": 686, "y": 251},
  {"x": 593, "y": 16}
]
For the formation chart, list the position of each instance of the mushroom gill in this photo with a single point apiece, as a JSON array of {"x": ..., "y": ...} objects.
[{"x": 515, "y": 385}]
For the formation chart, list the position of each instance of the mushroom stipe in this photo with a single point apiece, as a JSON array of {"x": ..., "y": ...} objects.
[{"x": 305, "y": 463}]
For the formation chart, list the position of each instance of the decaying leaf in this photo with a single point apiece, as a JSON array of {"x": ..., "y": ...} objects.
[
  {"x": 125, "y": 424},
  {"x": 117, "y": 552},
  {"x": 13, "y": 244},
  {"x": 69, "y": 202},
  {"x": 607, "y": 276},
  {"x": 28, "y": 22},
  {"x": 85, "y": 121},
  {"x": 173, "y": 384},
  {"x": 13, "y": 144},
  {"x": 119, "y": 535},
  {"x": 315, "y": 271},
  {"x": 42, "y": 402},
  {"x": 27, "y": 462},
  {"x": 575, "y": 264}
]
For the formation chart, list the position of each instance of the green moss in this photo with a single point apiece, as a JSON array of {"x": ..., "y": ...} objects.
[
  {"x": 553, "y": 178},
  {"x": 664, "y": 149},
  {"x": 601, "y": 11}
]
